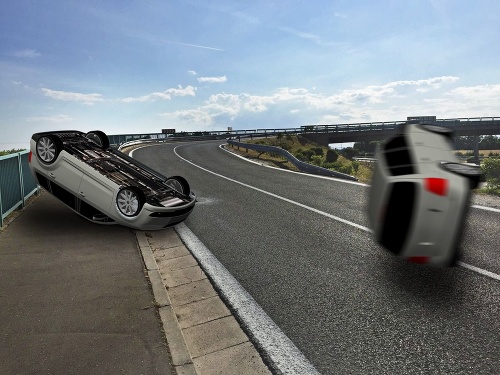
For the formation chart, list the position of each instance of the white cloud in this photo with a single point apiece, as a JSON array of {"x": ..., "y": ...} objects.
[
  {"x": 390, "y": 101},
  {"x": 56, "y": 119},
  {"x": 88, "y": 99},
  {"x": 164, "y": 95},
  {"x": 213, "y": 79},
  {"x": 26, "y": 53},
  {"x": 193, "y": 119},
  {"x": 192, "y": 72},
  {"x": 317, "y": 39}
]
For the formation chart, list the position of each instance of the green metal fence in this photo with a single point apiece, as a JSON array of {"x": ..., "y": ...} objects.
[{"x": 16, "y": 183}]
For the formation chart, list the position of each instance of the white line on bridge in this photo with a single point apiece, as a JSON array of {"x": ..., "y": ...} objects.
[{"x": 465, "y": 265}]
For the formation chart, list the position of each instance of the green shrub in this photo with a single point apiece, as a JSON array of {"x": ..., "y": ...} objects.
[
  {"x": 491, "y": 168},
  {"x": 317, "y": 160},
  {"x": 346, "y": 168},
  {"x": 355, "y": 166},
  {"x": 317, "y": 150},
  {"x": 304, "y": 155},
  {"x": 331, "y": 156}
]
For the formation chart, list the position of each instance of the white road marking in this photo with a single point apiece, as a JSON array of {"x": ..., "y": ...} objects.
[
  {"x": 284, "y": 356},
  {"x": 486, "y": 208},
  {"x": 336, "y": 179},
  {"x": 479, "y": 270},
  {"x": 278, "y": 196},
  {"x": 465, "y": 265}
]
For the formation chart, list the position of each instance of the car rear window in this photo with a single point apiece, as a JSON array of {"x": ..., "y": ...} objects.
[
  {"x": 398, "y": 216},
  {"x": 398, "y": 157}
]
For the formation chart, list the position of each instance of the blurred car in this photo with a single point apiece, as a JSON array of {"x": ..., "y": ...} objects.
[
  {"x": 420, "y": 195},
  {"x": 104, "y": 185}
]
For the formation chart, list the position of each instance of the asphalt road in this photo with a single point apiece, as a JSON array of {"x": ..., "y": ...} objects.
[{"x": 349, "y": 306}]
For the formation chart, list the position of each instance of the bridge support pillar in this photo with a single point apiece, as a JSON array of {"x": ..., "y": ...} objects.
[{"x": 476, "y": 149}]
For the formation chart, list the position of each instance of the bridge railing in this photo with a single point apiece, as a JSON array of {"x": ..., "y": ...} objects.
[
  {"x": 340, "y": 128},
  {"x": 16, "y": 183}
]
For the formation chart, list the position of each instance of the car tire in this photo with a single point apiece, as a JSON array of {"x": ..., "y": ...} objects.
[
  {"x": 99, "y": 138},
  {"x": 48, "y": 148},
  {"x": 129, "y": 201},
  {"x": 472, "y": 173},
  {"x": 179, "y": 184}
]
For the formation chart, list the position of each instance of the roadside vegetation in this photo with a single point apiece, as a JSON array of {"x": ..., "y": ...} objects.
[
  {"x": 13, "y": 151},
  {"x": 343, "y": 160},
  {"x": 310, "y": 152}
]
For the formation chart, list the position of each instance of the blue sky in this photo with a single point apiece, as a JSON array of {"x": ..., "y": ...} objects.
[{"x": 140, "y": 66}]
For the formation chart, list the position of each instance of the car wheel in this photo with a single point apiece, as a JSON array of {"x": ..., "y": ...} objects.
[
  {"x": 472, "y": 173},
  {"x": 99, "y": 138},
  {"x": 48, "y": 148},
  {"x": 129, "y": 201},
  {"x": 179, "y": 184}
]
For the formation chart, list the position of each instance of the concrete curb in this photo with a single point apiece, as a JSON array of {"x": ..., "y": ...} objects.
[
  {"x": 203, "y": 336},
  {"x": 181, "y": 359}
]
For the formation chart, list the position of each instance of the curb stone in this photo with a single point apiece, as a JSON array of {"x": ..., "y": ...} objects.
[{"x": 203, "y": 337}]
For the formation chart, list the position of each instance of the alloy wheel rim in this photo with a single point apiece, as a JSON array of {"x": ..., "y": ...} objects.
[
  {"x": 128, "y": 203},
  {"x": 46, "y": 149}
]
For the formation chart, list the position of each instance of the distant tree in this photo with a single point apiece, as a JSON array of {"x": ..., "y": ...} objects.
[
  {"x": 366, "y": 146},
  {"x": 349, "y": 152},
  {"x": 13, "y": 151}
]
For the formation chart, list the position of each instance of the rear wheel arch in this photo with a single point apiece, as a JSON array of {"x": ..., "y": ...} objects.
[{"x": 99, "y": 138}]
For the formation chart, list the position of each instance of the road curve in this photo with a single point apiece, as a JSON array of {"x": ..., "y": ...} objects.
[{"x": 349, "y": 306}]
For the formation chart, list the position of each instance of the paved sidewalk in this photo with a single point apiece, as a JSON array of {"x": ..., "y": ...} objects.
[
  {"x": 203, "y": 336},
  {"x": 76, "y": 298}
]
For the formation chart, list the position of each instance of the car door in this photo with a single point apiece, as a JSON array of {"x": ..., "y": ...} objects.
[
  {"x": 96, "y": 192},
  {"x": 67, "y": 175}
]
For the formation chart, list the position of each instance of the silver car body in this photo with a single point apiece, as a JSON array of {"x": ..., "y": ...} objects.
[
  {"x": 93, "y": 182},
  {"x": 417, "y": 206}
]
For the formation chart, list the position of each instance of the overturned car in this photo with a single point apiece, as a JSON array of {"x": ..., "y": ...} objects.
[
  {"x": 420, "y": 195},
  {"x": 104, "y": 185}
]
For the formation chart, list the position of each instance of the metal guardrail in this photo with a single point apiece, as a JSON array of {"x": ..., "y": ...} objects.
[
  {"x": 16, "y": 183},
  {"x": 457, "y": 123},
  {"x": 302, "y": 166}
]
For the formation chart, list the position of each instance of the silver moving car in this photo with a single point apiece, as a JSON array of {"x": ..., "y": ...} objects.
[
  {"x": 104, "y": 185},
  {"x": 420, "y": 194}
]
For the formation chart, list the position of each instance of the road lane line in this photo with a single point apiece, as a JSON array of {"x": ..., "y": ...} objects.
[
  {"x": 283, "y": 355},
  {"x": 278, "y": 196},
  {"x": 479, "y": 270},
  {"x": 335, "y": 179},
  {"x": 486, "y": 208},
  {"x": 366, "y": 229}
]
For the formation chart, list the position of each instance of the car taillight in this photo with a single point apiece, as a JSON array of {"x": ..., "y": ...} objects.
[
  {"x": 29, "y": 157},
  {"x": 437, "y": 186},
  {"x": 418, "y": 260}
]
